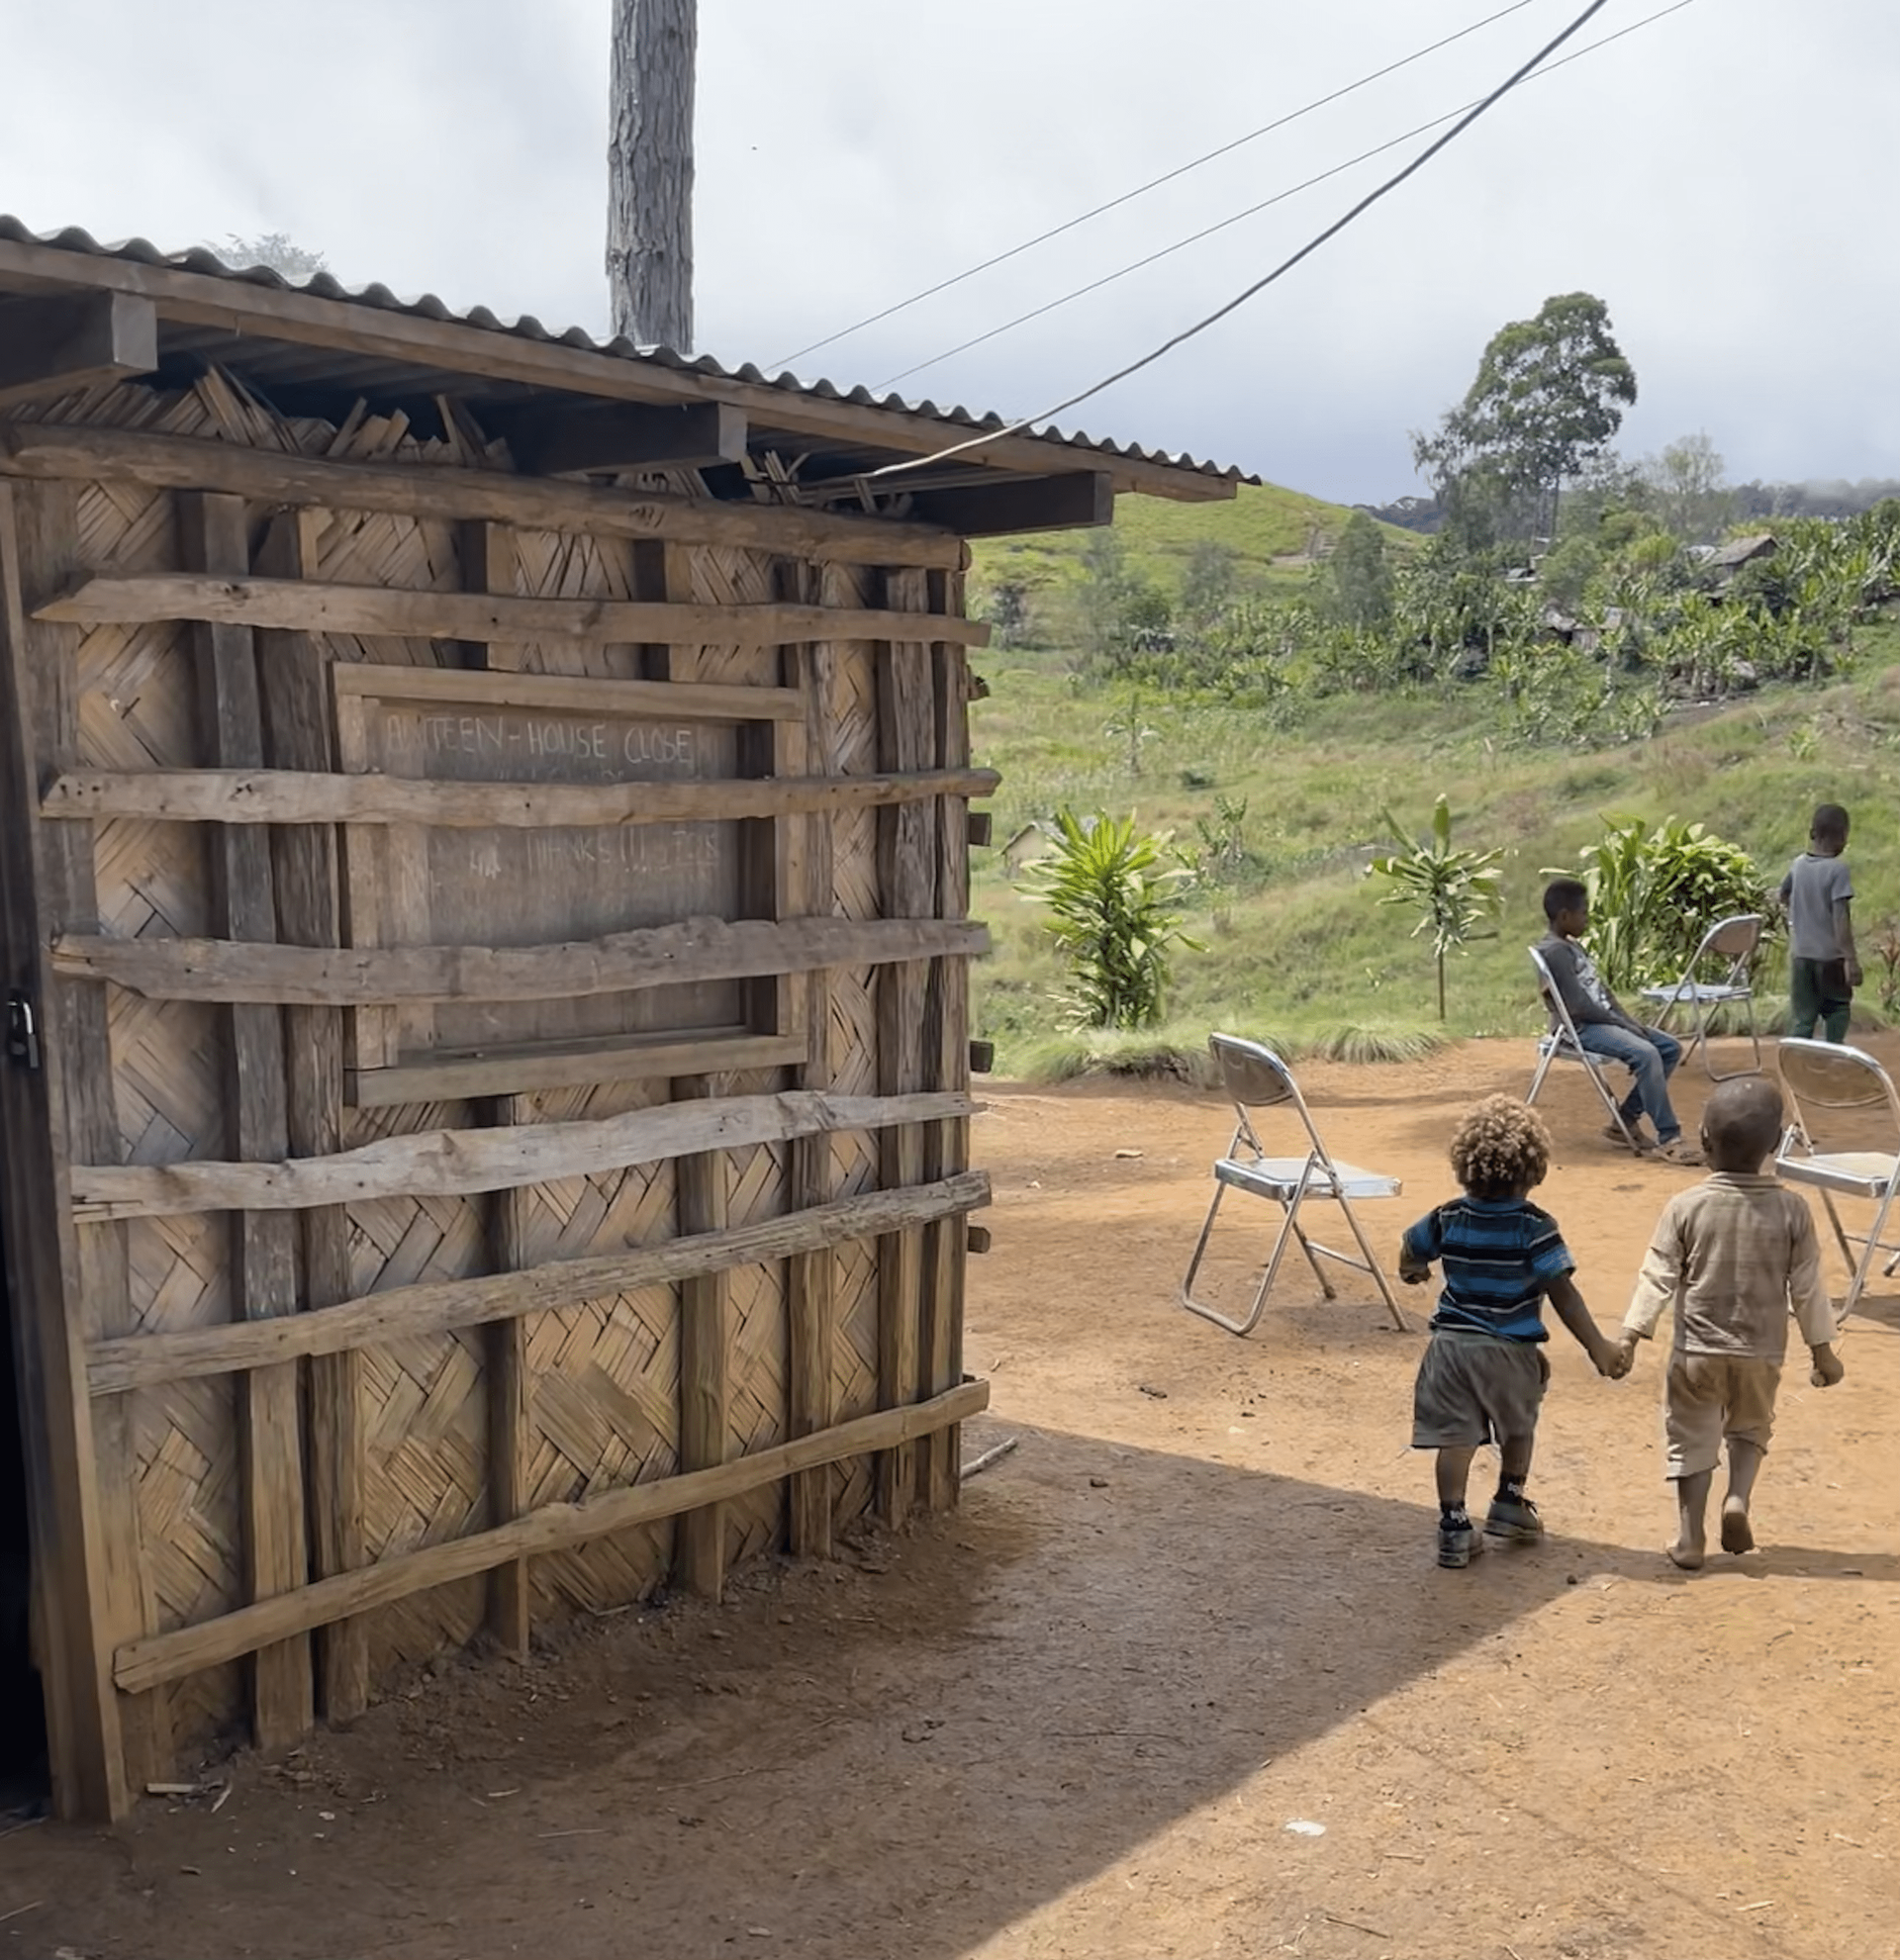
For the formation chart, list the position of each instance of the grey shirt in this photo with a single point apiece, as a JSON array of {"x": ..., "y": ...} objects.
[
  {"x": 1591, "y": 1002},
  {"x": 1812, "y": 888}
]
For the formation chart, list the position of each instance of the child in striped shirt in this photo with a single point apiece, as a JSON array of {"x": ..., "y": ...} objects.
[{"x": 1483, "y": 1373}]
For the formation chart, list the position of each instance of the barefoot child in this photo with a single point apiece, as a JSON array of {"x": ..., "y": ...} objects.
[
  {"x": 1483, "y": 1371},
  {"x": 1732, "y": 1256}
]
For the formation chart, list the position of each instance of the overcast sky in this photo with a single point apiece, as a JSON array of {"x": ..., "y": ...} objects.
[{"x": 1721, "y": 179}]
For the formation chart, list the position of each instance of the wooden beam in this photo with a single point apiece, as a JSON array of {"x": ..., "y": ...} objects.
[
  {"x": 170, "y": 1656},
  {"x": 298, "y": 714},
  {"x": 119, "y": 1364},
  {"x": 80, "y": 1462},
  {"x": 582, "y": 693},
  {"x": 568, "y": 439},
  {"x": 447, "y": 1164},
  {"x": 696, "y": 952},
  {"x": 240, "y": 796},
  {"x": 367, "y": 331},
  {"x": 301, "y": 608},
  {"x": 907, "y": 881},
  {"x": 57, "y": 346},
  {"x": 453, "y": 1075},
  {"x": 71, "y": 453},
  {"x": 263, "y": 1245},
  {"x": 510, "y": 1435},
  {"x": 1081, "y": 500},
  {"x": 700, "y": 1184}
]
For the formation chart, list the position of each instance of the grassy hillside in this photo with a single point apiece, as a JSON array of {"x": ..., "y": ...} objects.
[
  {"x": 1271, "y": 532},
  {"x": 1299, "y": 949}
]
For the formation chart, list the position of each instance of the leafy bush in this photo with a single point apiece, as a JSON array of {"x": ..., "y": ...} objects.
[
  {"x": 1114, "y": 914},
  {"x": 1452, "y": 891},
  {"x": 1654, "y": 893}
]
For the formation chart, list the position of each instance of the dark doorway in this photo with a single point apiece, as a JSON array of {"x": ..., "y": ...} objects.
[{"x": 23, "y": 1716}]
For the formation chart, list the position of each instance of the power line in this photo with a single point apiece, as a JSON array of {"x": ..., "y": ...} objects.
[
  {"x": 1280, "y": 271},
  {"x": 1153, "y": 184},
  {"x": 1252, "y": 211}
]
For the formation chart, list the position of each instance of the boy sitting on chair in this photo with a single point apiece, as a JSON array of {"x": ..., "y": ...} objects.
[
  {"x": 1482, "y": 1376},
  {"x": 1648, "y": 1054},
  {"x": 1732, "y": 1256}
]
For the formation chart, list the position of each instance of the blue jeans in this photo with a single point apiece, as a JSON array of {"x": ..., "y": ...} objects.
[{"x": 1650, "y": 1056}]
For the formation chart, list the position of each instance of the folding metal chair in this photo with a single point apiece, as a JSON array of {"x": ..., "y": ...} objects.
[
  {"x": 1819, "y": 1076},
  {"x": 1732, "y": 941},
  {"x": 1257, "y": 1078},
  {"x": 1562, "y": 1045}
]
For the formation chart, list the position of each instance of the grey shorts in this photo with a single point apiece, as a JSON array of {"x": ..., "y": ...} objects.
[
  {"x": 1710, "y": 1397},
  {"x": 1474, "y": 1389}
]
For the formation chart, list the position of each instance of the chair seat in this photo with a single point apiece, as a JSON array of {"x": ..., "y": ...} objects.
[
  {"x": 1702, "y": 994},
  {"x": 1860, "y": 1174},
  {"x": 1283, "y": 1178},
  {"x": 1562, "y": 1049}
]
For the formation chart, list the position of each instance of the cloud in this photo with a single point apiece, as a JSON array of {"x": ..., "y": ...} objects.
[{"x": 1718, "y": 178}]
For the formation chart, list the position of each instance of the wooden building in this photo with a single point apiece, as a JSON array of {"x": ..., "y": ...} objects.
[{"x": 484, "y": 864}]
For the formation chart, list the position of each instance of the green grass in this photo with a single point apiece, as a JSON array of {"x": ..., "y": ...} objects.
[
  {"x": 1300, "y": 950},
  {"x": 1271, "y": 532}
]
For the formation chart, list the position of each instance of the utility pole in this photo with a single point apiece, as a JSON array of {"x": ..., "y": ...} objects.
[{"x": 650, "y": 171}]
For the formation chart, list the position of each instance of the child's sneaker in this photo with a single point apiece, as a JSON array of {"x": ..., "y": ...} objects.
[
  {"x": 1458, "y": 1542},
  {"x": 1515, "y": 1519}
]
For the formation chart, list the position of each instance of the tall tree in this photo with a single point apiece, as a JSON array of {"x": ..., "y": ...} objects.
[
  {"x": 1688, "y": 486},
  {"x": 649, "y": 165},
  {"x": 1359, "y": 577},
  {"x": 1546, "y": 403}
]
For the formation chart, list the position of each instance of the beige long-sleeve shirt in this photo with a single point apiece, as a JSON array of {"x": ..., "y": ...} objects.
[{"x": 1733, "y": 1255}]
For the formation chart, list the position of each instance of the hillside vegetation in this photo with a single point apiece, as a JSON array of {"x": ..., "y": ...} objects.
[{"x": 1297, "y": 947}]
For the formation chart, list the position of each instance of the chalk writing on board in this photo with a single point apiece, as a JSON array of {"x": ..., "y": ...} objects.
[
  {"x": 646, "y": 850},
  {"x": 537, "y": 747}
]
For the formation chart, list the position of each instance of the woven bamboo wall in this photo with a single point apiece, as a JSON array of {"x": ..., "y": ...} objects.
[{"x": 603, "y": 1380}]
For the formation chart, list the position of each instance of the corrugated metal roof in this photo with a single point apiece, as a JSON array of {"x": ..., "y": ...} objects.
[{"x": 201, "y": 259}]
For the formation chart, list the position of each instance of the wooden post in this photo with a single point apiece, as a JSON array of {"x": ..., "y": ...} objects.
[
  {"x": 705, "y": 1351},
  {"x": 907, "y": 876},
  {"x": 490, "y": 561},
  {"x": 812, "y": 1278},
  {"x": 649, "y": 165},
  {"x": 303, "y": 863},
  {"x": 264, "y": 1265},
  {"x": 66, "y": 1285},
  {"x": 946, "y": 1059}
]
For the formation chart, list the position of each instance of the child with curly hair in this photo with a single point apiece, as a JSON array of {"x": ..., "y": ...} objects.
[{"x": 1483, "y": 1373}]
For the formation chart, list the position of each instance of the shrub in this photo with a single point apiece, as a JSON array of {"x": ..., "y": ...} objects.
[
  {"x": 1654, "y": 893},
  {"x": 1114, "y": 914}
]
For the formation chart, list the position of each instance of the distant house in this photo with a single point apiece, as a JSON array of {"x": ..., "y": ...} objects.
[
  {"x": 1029, "y": 843},
  {"x": 1723, "y": 563}
]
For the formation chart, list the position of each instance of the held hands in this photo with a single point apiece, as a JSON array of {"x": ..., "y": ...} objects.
[
  {"x": 1827, "y": 1367},
  {"x": 1613, "y": 1358}
]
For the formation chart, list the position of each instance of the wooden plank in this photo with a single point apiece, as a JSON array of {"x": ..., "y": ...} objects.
[
  {"x": 303, "y": 607},
  {"x": 812, "y": 1278},
  {"x": 1081, "y": 500},
  {"x": 80, "y": 1465},
  {"x": 695, "y": 951},
  {"x": 907, "y": 874},
  {"x": 452, "y": 1076},
  {"x": 237, "y": 796},
  {"x": 504, "y": 1350},
  {"x": 226, "y": 305},
  {"x": 405, "y": 1313},
  {"x": 582, "y": 693},
  {"x": 445, "y": 1163},
  {"x": 701, "y": 1187},
  {"x": 57, "y": 346},
  {"x": 307, "y": 879},
  {"x": 213, "y": 536},
  {"x": 61, "y": 452},
  {"x": 946, "y": 1059},
  {"x": 620, "y": 436},
  {"x": 169, "y": 1656}
]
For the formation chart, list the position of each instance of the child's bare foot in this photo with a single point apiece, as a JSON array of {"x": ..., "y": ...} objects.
[
  {"x": 1688, "y": 1553},
  {"x": 1737, "y": 1534}
]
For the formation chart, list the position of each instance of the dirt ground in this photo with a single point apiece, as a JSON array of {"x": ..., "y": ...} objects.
[{"x": 1180, "y": 1677}]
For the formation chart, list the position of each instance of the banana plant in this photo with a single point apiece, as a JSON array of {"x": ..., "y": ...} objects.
[{"x": 1452, "y": 891}]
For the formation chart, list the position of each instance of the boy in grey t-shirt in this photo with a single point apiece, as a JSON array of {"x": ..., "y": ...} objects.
[{"x": 1823, "y": 966}]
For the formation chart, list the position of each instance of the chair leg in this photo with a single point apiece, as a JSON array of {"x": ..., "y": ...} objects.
[
  {"x": 1537, "y": 1080},
  {"x": 1840, "y": 1232},
  {"x": 1194, "y": 1265},
  {"x": 1374, "y": 1267},
  {"x": 1874, "y": 1247},
  {"x": 1313, "y": 1259},
  {"x": 1290, "y": 1228},
  {"x": 1610, "y": 1103}
]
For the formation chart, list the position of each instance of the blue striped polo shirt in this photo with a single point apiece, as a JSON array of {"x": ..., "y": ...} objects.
[{"x": 1499, "y": 1257}]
